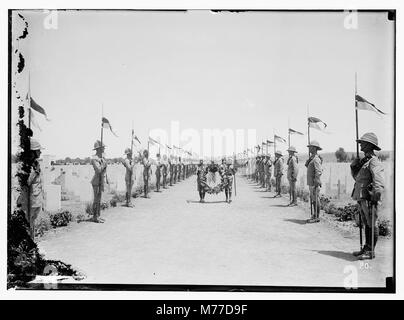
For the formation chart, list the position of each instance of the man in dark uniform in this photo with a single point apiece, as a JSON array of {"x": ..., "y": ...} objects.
[
  {"x": 200, "y": 178},
  {"x": 100, "y": 167},
  {"x": 293, "y": 171},
  {"x": 179, "y": 169},
  {"x": 175, "y": 163},
  {"x": 368, "y": 188},
  {"x": 314, "y": 172}
]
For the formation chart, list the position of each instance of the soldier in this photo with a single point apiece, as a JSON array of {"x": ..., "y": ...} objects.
[
  {"x": 262, "y": 172},
  {"x": 31, "y": 199},
  {"x": 228, "y": 173},
  {"x": 179, "y": 169},
  {"x": 278, "y": 172},
  {"x": 256, "y": 171},
  {"x": 175, "y": 170},
  {"x": 171, "y": 168},
  {"x": 200, "y": 178},
  {"x": 314, "y": 172},
  {"x": 164, "y": 168},
  {"x": 158, "y": 172},
  {"x": 368, "y": 188},
  {"x": 100, "y": 167},
  {"x": 183, "y": 169},
  {"x": 293, "y": 171},
  {"x": 129, "y": 165},
  {"x": 267, "y": 172},
  {"x": 147, "y": 172}
]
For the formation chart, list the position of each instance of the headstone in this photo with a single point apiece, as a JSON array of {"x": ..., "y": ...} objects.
[{"x": 52, "y": 197}]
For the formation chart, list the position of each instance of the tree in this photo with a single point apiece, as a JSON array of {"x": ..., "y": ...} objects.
[
  {"x": 68, "y": 160},
  {"x": 341, "y": 155}
]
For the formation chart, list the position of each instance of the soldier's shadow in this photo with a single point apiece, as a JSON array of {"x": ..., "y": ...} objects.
[
  {"x": 297, "y": 221},
  {"x": 206, "y": 202},
  {"x": 347, "y": 256}
]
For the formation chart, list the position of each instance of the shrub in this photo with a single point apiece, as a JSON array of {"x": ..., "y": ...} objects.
[
  {"x": 324, "y": 202},
  {"x": 61, "y": 218},
  {"x": 113, "y": 202},
  {"x": 42, "y": 225},
  {"x": 104, "y": 205},
  {"x": 348, "y": 212},
  {"x": 384, "y": 227},
  {"x": 89, "y": 208}
]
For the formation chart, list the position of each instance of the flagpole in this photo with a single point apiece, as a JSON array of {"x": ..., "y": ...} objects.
[
  {"x": 356, "y": 119},
  {"x": 29, "y": 99},
  {"x": 131, "y": 141},
  {"x": 102, "y": 126},
  {"x": 308, "y": 127},
  {"x": 289, "y": 133}
]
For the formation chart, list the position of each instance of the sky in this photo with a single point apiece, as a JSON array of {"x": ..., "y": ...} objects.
[{"x": 255, "y": 72}]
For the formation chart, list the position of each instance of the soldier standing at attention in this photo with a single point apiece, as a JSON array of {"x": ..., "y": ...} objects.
[
  {"x": 164, "y": 168},
  {"x": 228, "y": 173},
  {"x": 31, "y": 198},
  {"x": 171, "y": 168},
  {"x": 183, "y": 169},
  {"x": 266, "y": 172},
  {"x": 147, "y": 172},
  {"x": 269, "y": 172},
  {"x": 175, "y": 170},
  {"x": 179, "y": 169},
  {"x": 158, "y": 172},
  {"x": 200, "y": 177},
  {"x": 293, "y": 171},
  {"x": 278, "y": 172},
  {"x": 256, "y": 165},
  {"x": 100, "y": 167},
  {"x": 368, "y": 188},
  {"x": 129, "y": 165},
  {"x": 314, "y": 172}
]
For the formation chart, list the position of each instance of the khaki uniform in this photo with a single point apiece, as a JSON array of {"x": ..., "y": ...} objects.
[
  {"x": 268, "y": 169},
  {"x": 35, "y": 204},
  {"x": 164, "y": 169},
  {"x": 314, "y": 172},
  {"x": 147, "y": 172},
  {"x": 129, "y": 165},
  {"x": 98, "y": 181},
  {"x": 278, "y": 173},
  {"x": 200, "y": 180},
  {"x": 368, "y": 175},
  {"x": 158, "y": 175},
  {"x": 171, "y": 168},
  {"x": 293, "y": 171}
]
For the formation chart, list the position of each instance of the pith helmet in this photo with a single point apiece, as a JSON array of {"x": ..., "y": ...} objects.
[
  {"x": 292, "y": 149},
  {"x": 371, "y": 138},
  {"x": 34, "y": 145},
  {"x": 278, "y": 152},
  {"x": 314, "y": 143},
  {"x": 127, "y": 151},
  {"x": 98, "y": 145}
]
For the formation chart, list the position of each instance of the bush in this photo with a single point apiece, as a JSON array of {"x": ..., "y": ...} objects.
[
  {"x": 104, "y": 205},
  {"x": 348, "y": 212},
  {"x": 384, "y": 227},
  {"x": 113, "y": 202},
  {"x": 61, "y": 218},
  {"x": 42, "y": 225},
  {"x": 89, "y": 208},
  {"x": 324, "y": 202}
]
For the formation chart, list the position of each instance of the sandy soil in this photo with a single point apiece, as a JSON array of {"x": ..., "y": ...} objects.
[{"x": 256, "y": 240}]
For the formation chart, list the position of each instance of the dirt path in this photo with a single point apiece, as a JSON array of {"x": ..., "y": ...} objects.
[{"x": 173, "y": 239}]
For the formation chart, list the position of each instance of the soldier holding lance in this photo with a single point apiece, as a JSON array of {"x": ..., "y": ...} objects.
[
  {"x": 314, "y": 172},
  {"x": 293, "y": 171},
  {"x": 100, "y": 167},
  {"x": 147, "y": 172},
  {"x": 278, "y": 172},
  {"x": 164, "y": 169},
  {"x": 158, "y": 172},
  {"x": 129, "y": 165},
  {"x": 368, "y": 188}
]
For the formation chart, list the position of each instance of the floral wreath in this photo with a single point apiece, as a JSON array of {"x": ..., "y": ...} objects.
[{"x": 213, "y": 168}]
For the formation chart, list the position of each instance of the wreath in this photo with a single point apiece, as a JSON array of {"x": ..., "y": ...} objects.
[{"x": 212, "y": 180}]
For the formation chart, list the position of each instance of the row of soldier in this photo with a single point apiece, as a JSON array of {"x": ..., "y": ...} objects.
[
  {"x": 366, "y": 171},
  {"x": 169, "y": 171}
]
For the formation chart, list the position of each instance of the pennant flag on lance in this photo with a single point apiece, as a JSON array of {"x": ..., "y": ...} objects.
[
  {"x": 168, "y": 147},
  {"x": 291, "y": 131},
  {"x": 107, "y": 125},
  {"x": 316, "y": 123},
  {"x": 278, "y": 138},
  {"x": 33, "y": 120},
  {"x": 35, "y": 106},
  {"x": 269, "y": 142},
  {"x": 137, "y": 139},
  {"x": 363, "y": 104},
  {"x": 152, "y": 141}
]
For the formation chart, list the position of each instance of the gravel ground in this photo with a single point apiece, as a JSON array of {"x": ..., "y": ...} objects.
[{"x": 256, "y": 240}]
